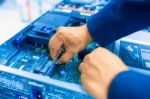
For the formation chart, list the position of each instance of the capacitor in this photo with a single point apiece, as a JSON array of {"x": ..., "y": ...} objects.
[{"x": 62, "y": 73}]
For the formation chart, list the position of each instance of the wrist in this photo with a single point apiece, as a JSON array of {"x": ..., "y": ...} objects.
[
  {"x": 86, "y": 33},
  {"x": 113, "y": 76}
]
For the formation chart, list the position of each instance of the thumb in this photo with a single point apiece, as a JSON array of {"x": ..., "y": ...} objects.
[{"x": 67, "y": 56}]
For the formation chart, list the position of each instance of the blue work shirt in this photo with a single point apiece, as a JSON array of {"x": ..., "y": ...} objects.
[{"x": 118, "y": 19}]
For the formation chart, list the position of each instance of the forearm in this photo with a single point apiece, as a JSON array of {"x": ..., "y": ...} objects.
[
  {"x": 130, "y": 85},
  {"x": 118, "y": 19}
]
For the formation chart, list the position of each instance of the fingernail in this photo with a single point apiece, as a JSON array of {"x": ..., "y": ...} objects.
[{"x": 60, "y": 62}]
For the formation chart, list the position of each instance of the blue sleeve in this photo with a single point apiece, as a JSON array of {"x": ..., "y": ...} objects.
[
  {"x": 118, "y": 19},
  {"x": 130, "y": 85}
]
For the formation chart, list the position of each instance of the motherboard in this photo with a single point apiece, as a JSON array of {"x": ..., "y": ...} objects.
[
  {"x": 27, "y": 70},
  {"x": 28, "y": 51}
]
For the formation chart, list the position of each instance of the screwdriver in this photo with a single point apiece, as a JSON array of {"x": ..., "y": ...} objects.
[{"x": 54, "y": 65}]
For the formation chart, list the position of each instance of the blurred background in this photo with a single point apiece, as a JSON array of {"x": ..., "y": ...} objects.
[{"x": 16, "y": 14}]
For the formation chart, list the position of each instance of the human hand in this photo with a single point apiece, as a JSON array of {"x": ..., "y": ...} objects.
[
  {"x": 98, "y": 70},
  {"x": 74, "y": 40}
]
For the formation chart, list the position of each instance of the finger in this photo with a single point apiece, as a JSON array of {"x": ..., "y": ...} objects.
[
  {"x": 87, "y": 58},
  {"x": 67, "y": 56},
  {"x": 91, "y": 87},
  {"x": 60, "y": 28},
  {"x": 84, "y": 66},
  {"x": 55, "y": 45},
  {"x": 81, "y": 67},
  {"x": 51, "y": 47},
  {"x": 56, "y": 50},
  {"x": 85, "y": 82},
  {"x": 88, "y": 70}
]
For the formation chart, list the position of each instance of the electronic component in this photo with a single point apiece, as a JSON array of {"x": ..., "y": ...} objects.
[
  {"x": 134, "y": 50},
  {"x": 54, "y": 65},
  {"x": 87, "y": 50},
  {"x": 80, "y": 1},
  {"x": 138, "y": 53},
  {"x": 82, "y": 8},
  {"x": 44, "y": 28}
]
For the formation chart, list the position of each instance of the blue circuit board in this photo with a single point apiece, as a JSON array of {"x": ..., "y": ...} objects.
[
  {"x": 28, "y": 53},
  {"x": 27, "y": 70}
]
